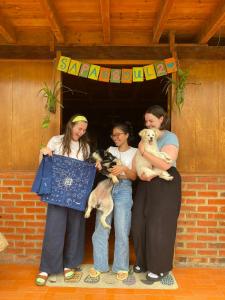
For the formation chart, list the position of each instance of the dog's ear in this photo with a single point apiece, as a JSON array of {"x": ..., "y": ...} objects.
[
  {"x": 157, "y": 132},
  {"x": 142, "y": 132}
]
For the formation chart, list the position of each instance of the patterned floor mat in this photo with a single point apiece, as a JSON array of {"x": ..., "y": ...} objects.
[{"x": 108, "y": 280}]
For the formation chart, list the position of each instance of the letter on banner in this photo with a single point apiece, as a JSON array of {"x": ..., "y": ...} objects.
[
  {"x": 171, "y": 65},
  {"x": 126, "y": 76},
  {"x": 149, "y": 71},
  {"x": 74, "y": 67},
  {"x": 63, "y": 64},
  {"x": 115, "y": 75},
  {"x": 138, "y": 74},
  {"x": 84, "y": 70},
  {"x": 94, "y": 71},
  {"x": 160, "y": 69},
  {"x": 104, "y": 74}
]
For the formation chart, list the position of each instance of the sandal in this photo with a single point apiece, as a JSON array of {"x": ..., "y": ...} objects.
[
  {"x": 41, "y": 280},
  {"x": 68, "y": 274},
  {"x": 94, "y": 273},
  {"x": 122, "y": 275}
]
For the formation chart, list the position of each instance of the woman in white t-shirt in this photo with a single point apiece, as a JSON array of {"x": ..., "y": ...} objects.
[
  {"x": 122, "y": 198},
  {"x": 63, "y": 245}
]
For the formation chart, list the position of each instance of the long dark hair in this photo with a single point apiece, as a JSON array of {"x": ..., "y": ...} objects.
[
  {"x": 83, "y": 140},
  {"x": 126, "y": 127},
  {"x": 159, "y": 112}
]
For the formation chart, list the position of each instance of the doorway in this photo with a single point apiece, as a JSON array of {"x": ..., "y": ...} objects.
[{"x": 103, "y": 104}]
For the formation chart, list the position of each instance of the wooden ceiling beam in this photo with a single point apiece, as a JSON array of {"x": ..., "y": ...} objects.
[
  {"x": 213, "y": 25},
  {"x": 7, "y": 30},
  {"x": 105, "y": 15},
  {"x": 54, "y": 21},
  {"x": 162, "y": 20}
]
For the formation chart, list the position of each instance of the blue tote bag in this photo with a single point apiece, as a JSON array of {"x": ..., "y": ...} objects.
[{"x": 64, "y": 181}]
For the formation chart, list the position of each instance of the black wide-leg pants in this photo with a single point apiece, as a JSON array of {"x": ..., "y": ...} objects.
[
  {"x": 154, "y": 222},
  {"x": 63, "y": 245}
]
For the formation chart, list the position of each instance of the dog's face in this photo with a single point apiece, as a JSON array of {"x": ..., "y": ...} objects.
[
  {"x": 106, "y": 159},
  {"x": 149, "y": 135}
]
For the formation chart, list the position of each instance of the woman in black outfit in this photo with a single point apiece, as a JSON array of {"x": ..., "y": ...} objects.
[{"x": 157, "y": 205}]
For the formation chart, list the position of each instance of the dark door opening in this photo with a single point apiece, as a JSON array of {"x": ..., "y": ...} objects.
[{"x": 103, "y": 104}]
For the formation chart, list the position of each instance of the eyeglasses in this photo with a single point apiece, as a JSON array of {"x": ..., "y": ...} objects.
[{"x": 113, "y": 136}]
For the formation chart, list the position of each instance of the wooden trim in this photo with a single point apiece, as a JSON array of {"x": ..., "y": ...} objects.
[
  {"x": 54, "y": 21},
  {"x": 213, "y": 25},
  {"x": 7, "y": 30},
  {"x": 105, "y": 15},
  {"x": 162, "y": 20}
]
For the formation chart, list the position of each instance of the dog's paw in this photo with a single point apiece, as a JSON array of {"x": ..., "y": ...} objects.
[{"x": 87, "y": 215}]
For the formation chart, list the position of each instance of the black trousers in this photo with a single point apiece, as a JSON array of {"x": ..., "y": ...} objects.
[
  {"x": 154, "y": 222},
  {"x": 63, "y": 244}
]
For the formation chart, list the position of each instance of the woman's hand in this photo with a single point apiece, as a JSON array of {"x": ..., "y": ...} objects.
[
  {"x": 141, "y": 147},
  {"x": 46, "y": 151},
  {"x": 98, "y": 165},
  {"x": 117, "y": 170}
]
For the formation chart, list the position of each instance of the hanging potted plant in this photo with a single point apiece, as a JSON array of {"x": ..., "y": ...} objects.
[
  {"x": 180, "y": 84},
  {"x": 51, "y": 99}
]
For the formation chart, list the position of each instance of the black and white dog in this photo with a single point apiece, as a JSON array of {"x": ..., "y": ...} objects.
[{"x": 101, "y": 197}]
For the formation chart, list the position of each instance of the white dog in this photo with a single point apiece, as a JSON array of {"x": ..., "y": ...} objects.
[
  {"x": 101, "y": 198},
  {"x": 143, "y": 166}
]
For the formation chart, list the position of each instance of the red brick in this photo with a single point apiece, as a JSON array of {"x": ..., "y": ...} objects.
[
  {"x": 208, "y": 179},
  {"x": 197, "y": 229},
  {"x": 207, "y": 208},
  {"x": 206, "y": 223},
  {"x": 15, "y": 251},
  {"x": 14, "y": 223},
  {"x": 14, "y": 237},
  {"x": 25, "y": 230},
  {"x": 185, "y": 237},
  {"x": 28, "y": 183},
  {"x": 207, "y": 252},
  {"x": 217, "y": 245},
  {"x": 186, "y": 178},
  {"x": 22, "y": 189},
  {"x": 184, "y": 252},
  {"x": 36, "y": 210},
  {"x": 216, "y": 201},
  {"x": 7, "y": 203},
  {"x": 35, "y": 224},
  {"x": 25, "y": 176},
  {"x": 216, "y": 216},
  {"x": 30, "y": 196},
  {"x": 7, "y": 229},
  {"x": 196, "y": 186},
  {"x": 188, "y": 193},
  {"x": 32, "y": 251},
  {"x": 196, "y": 216},
  {"x": 196, "y": 201},
  {"x": 216, "y": 186},
  {"x": 7, "y": 216},
  {"x": 7, "y": 175},
  {"x": 24, "y": 244},
  {"x": 207, "y": 194},
  {"x": 6, "y": 189},
  {"x": 196, "y": 245},
  {"x": 216, "y": 230},
  {"x": 14, "y": 209},
  {"x": 11, "y": 196},
  {"x": 25, "y": 203},
  {"x": 25, "y": 217},
  {"x": 206, "y": 238},
  {"x": 12, "y": 182},
  {"x": 34, "y": 237},
  {"x": 222, "y": 238}
]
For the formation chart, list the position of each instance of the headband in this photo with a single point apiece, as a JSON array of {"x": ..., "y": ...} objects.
[{"x": 79, "y": 119}]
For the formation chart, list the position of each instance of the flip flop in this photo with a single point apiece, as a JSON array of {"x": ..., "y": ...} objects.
[
  {"x": 94, "y": 273},
  {"x": 76, "y": 278},
  {"x": 41, "y": 280},
  {"x": 122, "y": 275},
  {"x": 68, "y": 274},
  {"x": 131, "y": 280}
]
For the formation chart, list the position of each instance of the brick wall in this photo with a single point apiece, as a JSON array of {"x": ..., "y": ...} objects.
[{"x": 201, "y": 227}]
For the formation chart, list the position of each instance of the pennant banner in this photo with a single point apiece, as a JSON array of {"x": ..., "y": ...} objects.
[{"x": 135, "y": 74}]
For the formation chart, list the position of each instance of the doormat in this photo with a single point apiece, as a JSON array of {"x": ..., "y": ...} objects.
[{"x": 82, "y": 279}]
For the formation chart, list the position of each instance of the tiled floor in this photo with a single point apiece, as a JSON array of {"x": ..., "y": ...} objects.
[{"x": 17, "y": 283}]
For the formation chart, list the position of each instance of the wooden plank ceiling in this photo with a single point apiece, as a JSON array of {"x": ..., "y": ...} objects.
[{"x": 69, "y": 23}]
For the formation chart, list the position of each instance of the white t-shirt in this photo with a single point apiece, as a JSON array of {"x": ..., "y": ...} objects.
[
  {"x": 125, "y": 157},
  {"x": 55, "y": 144}
]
